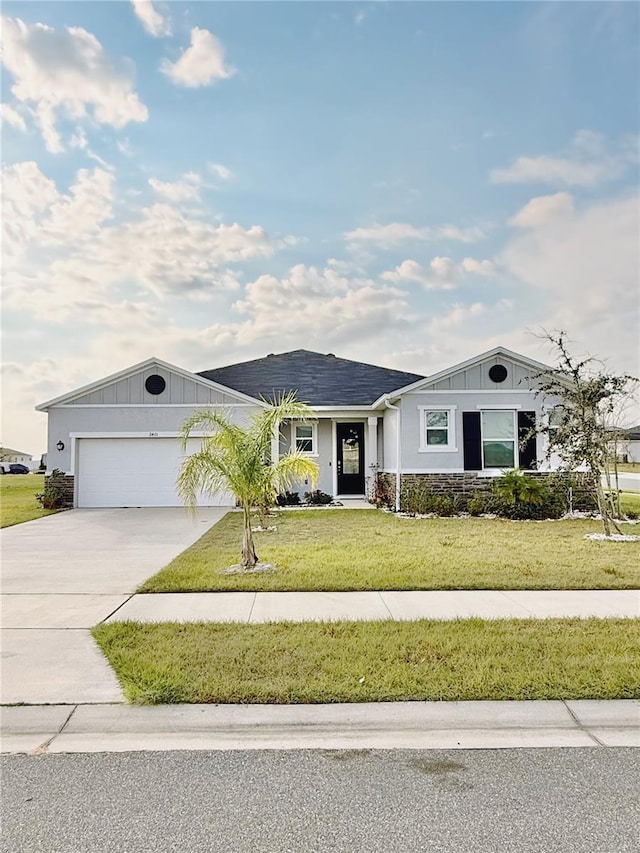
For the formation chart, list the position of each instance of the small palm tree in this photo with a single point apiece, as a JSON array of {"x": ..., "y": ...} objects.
[{"x": 238, "y": 459}]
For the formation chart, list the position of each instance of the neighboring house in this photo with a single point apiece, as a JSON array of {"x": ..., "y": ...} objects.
[
  {"x": 629, "y": 444},
  {"x": 9, "y": 455},
  {"x": 116, "y": 438}
]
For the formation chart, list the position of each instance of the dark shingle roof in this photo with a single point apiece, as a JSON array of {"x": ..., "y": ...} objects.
[{"x": 320, "y": 380}]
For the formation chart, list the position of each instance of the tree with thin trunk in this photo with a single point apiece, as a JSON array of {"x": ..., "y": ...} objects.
[
  {"x": 238, "y": 459},
  {"x": 582, "y": 396}
]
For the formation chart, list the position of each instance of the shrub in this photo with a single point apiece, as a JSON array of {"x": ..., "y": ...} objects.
[
  {"x": 518, "y": 495},
  {"x": 478, "y": 503},
  {"x": 288, "y": 499},
  {"x": 461, "y": 503},
  {"x": 442, "y": 505},
  {"x": 317, "y": 498},
  {"x": 415, "y": 497},
  {"x": 53, "y": 496},
  {"x": 383, "y": 493}
]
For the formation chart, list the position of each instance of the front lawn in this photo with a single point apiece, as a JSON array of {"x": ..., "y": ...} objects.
[
  {"x": 375, "y": 661},
  {"x": 18, "y": 498},
  {"x": 628, "y": 467},
  {"x": 360, "y": 549}
]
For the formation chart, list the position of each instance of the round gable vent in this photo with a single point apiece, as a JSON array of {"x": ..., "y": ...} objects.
[
  {"x": 498, "y": 373},
  {"x": 155, "y": 384}
]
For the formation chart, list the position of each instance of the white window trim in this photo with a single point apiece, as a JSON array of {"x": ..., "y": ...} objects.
[
  {"x": 314, "y": 438},
  {"x": 516, "y": 449},
  {"x": 450, "y": 447}
]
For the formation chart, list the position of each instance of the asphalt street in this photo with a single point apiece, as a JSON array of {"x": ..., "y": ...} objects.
[{"x": 493, "y": 801}]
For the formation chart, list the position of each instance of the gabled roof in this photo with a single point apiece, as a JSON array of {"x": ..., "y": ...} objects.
[
  {"x": 131, "y": 371},
  {"x": 319, "y": 380},
  {"x": 425, "y": 382}
]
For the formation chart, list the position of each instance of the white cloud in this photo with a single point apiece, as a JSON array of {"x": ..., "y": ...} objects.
[
  {"x": 442, "y": 273},
  {"x": 201, "y": 64},
  {"x": 332, "y": 307},
  {"x": 26, "y": 194},
  {"x": 69, "y": 247},
  {"x": 153, "y": 22},
  {"x": 475, "y": 266},
  {"x": 543, "y": 210},
  {"x": 589, "y": 161},
  {"x": 11, "y": 116},
  {"x": 395, "y": 233},
  {"x": 221, "y": 171},
  {"x": 67, "y": 73},
  {"x": 188, "y": 189},
  {"x": 582, "y": 271}
]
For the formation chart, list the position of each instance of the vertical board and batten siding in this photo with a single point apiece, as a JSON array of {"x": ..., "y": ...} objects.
[
  {"x": 476, "y": 378},
  {"x": 131, "y": 391}
]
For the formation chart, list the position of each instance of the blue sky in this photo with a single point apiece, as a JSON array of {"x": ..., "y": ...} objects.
[{"x": 402, "y": 183}]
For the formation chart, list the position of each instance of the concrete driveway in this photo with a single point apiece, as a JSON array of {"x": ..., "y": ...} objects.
[{"x": 62, "y": 574}]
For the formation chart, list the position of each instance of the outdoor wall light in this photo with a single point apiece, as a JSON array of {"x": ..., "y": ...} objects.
[{"x": 60, "y": 445}]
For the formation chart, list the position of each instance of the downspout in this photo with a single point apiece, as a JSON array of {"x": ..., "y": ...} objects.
[{"x": 398, "y": 445}]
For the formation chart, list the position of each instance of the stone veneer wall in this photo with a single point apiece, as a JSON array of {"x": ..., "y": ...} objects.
[
  {"x": 68, "y": 490},
  {"x": 67, "y": 498},
  {"x": 581, "y": 483}
]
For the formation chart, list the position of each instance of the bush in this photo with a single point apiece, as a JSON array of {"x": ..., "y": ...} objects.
[
  {"x": 518, "y": 495},
  {"x": 479, "y": 503},
  {"x": 460, "y": 503},
  {"x": 53, "y": 496},
  {"x": 288, "y": 499},
  {"x": 415, "y": 497},
  {"x": 383, "y": 493},
  {"x": 317, "y": 498}
]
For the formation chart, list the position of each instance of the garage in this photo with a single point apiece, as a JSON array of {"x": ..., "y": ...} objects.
[{"x": 133, "y": 472}]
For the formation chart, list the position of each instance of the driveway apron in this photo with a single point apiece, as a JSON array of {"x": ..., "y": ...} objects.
[{"x": 62, "y": 574}]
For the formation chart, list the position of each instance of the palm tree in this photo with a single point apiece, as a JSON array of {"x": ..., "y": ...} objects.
[{"x": 238, "y": 459}]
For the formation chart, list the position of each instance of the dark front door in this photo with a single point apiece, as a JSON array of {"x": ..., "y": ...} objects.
[{"x": 350, "y": 459}]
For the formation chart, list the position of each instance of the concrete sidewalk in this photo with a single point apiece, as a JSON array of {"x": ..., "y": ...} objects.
[
  {"x": 260, "y": 607},
  {"x": 390, "y": 725}
]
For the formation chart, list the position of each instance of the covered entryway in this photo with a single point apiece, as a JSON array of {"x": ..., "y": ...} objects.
[{"x": 133, "y": 472}]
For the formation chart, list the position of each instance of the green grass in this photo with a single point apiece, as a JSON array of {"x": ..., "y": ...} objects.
[
  {"x": 358, "y": 549},
  {"x": 18, "y": 498},
  {"x": 630, "y": 502},
  {"x": 375, "y": 661},
  {"x": 628, "y": 467}
]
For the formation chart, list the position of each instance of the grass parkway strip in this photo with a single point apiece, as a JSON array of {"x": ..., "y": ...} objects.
[
  {"x": 324, "y": 662},
  {"x": 338, "y": 550}
]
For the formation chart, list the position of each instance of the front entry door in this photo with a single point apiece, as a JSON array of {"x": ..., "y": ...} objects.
[{"x": 350, "y": 458}]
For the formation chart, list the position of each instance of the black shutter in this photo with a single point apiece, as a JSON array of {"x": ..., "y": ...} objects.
[
  {"x": 471, "y": 439},
  {"x": 527, "y": 440}
]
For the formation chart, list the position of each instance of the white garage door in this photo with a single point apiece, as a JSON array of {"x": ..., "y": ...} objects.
[{"x": 133, "y": 472}]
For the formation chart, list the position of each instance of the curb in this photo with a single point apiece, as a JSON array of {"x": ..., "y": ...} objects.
[{"x": 47, "y": 729}]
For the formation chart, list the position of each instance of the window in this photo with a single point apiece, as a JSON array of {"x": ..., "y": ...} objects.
[
  {"x": 556, "y": 417},
  {"x": 305, "y": 438},
  {"x": 498, "y": 438},
  {"x": 437, "y": 429}
]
